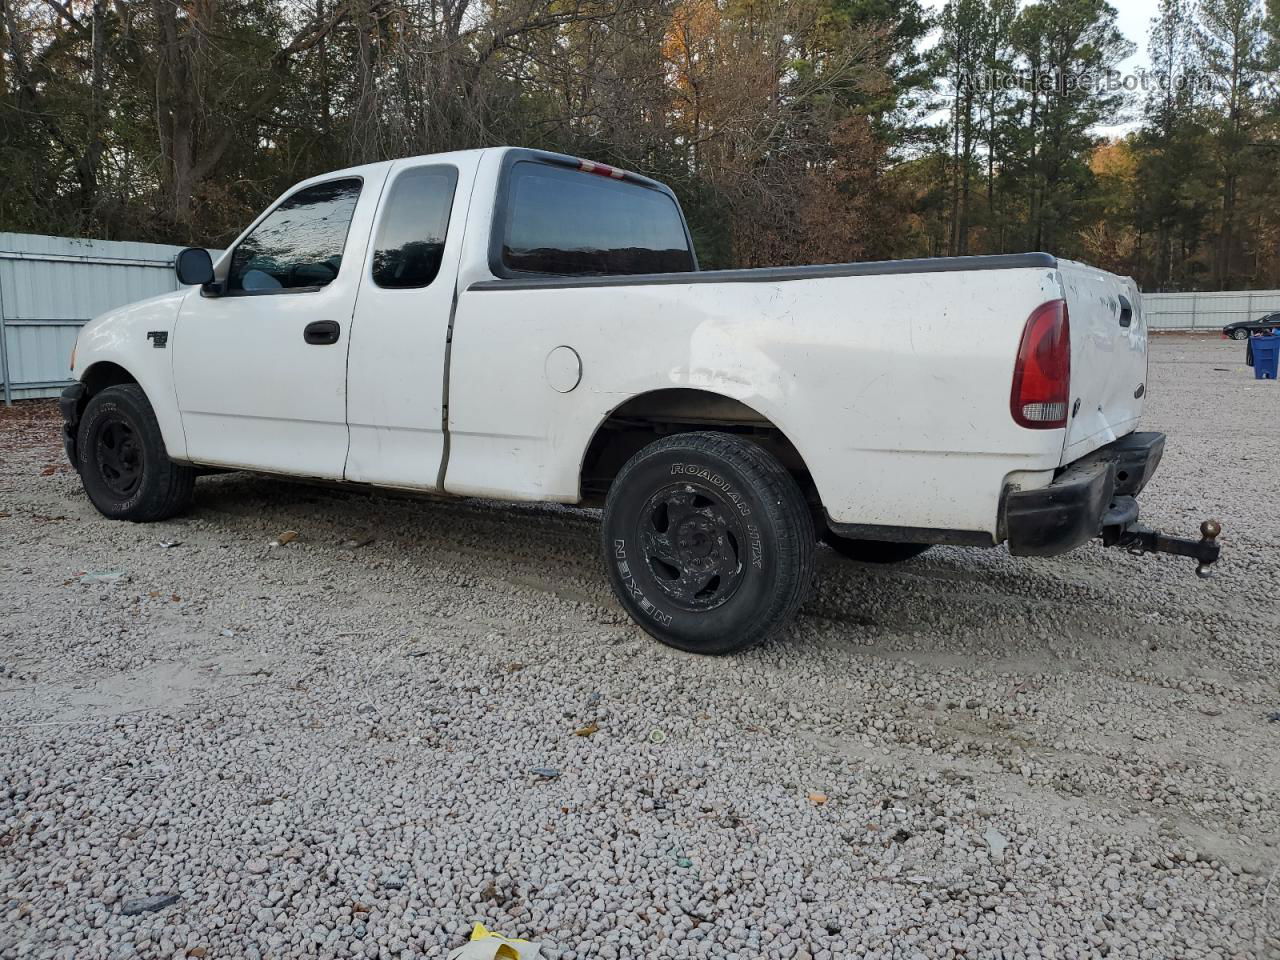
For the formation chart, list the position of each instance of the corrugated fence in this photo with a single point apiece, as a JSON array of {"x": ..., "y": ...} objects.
[
  {"x": 51, "y": 286},
  {"x": 1207, "y": 311}
]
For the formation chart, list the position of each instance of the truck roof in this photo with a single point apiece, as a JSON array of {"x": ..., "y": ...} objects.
[
  {"x": 459, "y": 156},
  {"x": 365, "y": 168}
]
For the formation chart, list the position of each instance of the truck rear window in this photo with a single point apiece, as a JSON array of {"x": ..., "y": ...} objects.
[{"x": 564, "y": 222}]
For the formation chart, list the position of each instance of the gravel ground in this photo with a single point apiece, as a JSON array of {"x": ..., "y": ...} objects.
[{"x": 361, "y": 742}]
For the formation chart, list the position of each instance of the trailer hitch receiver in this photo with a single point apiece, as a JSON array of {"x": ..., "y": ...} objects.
[{"x": 1139, "y": 539}]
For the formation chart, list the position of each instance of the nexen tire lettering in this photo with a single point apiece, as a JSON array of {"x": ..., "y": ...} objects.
[{"x": 624, "y": 570}]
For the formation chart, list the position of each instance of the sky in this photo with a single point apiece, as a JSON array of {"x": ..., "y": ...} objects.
[{"x": 1134, "y": 21}]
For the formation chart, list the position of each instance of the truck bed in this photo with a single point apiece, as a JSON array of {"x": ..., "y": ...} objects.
[{"x": 893, "y": 378}]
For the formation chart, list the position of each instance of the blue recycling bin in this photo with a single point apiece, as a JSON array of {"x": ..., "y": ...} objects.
[{"x": 1266, "y": 353}]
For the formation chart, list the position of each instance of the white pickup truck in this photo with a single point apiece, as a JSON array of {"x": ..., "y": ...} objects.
[{"x": 518, "y": 325}]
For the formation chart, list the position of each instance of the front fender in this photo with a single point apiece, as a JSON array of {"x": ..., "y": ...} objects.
[{"x": 138, "y": 339}]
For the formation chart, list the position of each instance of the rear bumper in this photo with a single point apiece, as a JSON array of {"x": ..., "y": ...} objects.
[{"x": 1095, "y": 491}]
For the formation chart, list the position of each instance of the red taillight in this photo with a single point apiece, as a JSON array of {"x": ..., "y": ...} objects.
[
  {"x": 1042, "y": 375},
  {"x": 601, "y": 169}
]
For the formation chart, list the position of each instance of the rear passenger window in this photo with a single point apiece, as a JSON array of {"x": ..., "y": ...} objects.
[
  {"x": 299, "y": 244},
  {"x": 565, "y": 222},
  {"x": 415, "y": 219}
]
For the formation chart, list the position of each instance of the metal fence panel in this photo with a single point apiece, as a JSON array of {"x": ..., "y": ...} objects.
[
  {"x": 52, "y": 286},
  {"x": 1207, "y": 311},
  {"x": 38, "y": 357}
]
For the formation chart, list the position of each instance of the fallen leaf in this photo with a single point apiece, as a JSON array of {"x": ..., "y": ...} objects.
[
  {"x": 817, "y": 799},
  {"x": 287, "y": 537},
  {"x": 588, "y": 730},
  {"x": 49, "y": 471}
]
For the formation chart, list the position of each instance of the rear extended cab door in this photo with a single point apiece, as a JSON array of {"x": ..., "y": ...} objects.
[
  {"x": 397, "y": 368},
  {"x": 1108, "y": 357}
]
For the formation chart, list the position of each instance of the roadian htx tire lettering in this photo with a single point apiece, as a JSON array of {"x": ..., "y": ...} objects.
[{"x": 705, "y": 473}]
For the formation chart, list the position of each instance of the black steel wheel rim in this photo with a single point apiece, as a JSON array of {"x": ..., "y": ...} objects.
[
  {"x": 694, "y": 545},
  {"x": 119, "y": 457}
]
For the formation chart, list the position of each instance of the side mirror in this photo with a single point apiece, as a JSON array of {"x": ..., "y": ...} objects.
[{"x": 194, "y": 266}]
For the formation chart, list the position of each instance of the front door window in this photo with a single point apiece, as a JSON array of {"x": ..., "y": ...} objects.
[{"x": 298, "y": 246}]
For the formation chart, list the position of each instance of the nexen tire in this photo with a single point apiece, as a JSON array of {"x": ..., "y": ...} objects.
[{"x": 708, "y": 542}]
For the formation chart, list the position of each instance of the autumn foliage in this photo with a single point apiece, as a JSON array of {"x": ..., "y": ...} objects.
[{"x": 793, "y": 131}]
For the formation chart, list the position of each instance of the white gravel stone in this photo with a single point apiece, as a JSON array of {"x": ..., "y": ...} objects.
[{"x": 328, "y": 751}]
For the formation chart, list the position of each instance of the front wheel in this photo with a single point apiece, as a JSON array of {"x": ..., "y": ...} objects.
[
  {"x": 1239, "y": 334},
  {"x": 122, "y": 459},
  {"x": 708, "y": 542}
]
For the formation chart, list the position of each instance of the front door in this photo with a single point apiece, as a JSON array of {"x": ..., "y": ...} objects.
[{"x": 260, "y": 370}]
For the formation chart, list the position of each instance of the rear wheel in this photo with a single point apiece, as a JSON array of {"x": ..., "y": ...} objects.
[
  {"x": 873, "y": 551},
  {"x": 708, "y": 542},
  {"x": 122, "y": 459}
]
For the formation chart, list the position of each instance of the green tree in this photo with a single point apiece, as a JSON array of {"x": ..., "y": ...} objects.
[
  {"x": 1068, "y": 47},
  {"x": 1233, "y": 43}
]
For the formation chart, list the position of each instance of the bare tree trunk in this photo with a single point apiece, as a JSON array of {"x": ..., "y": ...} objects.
[
  {"x": 953, "y": 244},
  {"x": 367, "y": 129},
  {"x": 962, "y": 244},
  {"x": 88, "y": 161},
  {"x": 175, "y": 114}
]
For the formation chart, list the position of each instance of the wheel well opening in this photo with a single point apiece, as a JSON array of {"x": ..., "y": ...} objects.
[
  {"x": 660, "y": 413},
  {"x": 99, "y": 376},
  {"x": 105, "y": 374}
]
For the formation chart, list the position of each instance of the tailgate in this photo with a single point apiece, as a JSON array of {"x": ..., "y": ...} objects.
[{"x": 1108, "y": 357}]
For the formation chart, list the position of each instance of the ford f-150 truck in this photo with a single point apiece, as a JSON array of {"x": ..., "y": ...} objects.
[{"x": 519, "y": 325}]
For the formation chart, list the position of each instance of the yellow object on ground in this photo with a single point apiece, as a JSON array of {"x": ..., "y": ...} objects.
[{"x": 486, "y": 945}]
